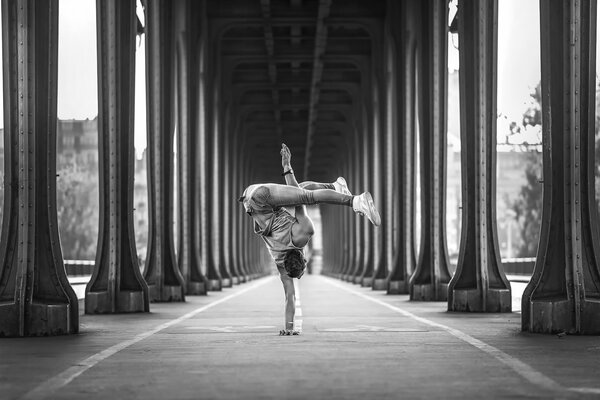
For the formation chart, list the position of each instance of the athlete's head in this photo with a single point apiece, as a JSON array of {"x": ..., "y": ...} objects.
[{"x": 294, "y": 263}]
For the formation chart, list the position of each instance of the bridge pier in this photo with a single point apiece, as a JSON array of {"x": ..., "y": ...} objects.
[
  {"x": 563, "y": 294},
  {"x": 116, "y": 284},
  {"x": 479, "y": 283},
  {"x": 35, "y": 296},
  {"x": 430, "y": 280},
  {"x": 188, "y": 253},
  {"x": 162, "y": 274},
  {"x": 401, "y": 75}
]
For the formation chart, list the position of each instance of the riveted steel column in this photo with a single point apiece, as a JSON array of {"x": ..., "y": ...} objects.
[
  {"x": 366, "y": 276},
  {"x": 564, "y": 292},
  {"x": 218, "y": 188},
  {"x": 380, "y": 265},
  {"x": 162, "y": 274},
  {"x": 359, "y": 232},
  {"x": 430, "y": 279},
  {"x": 212, "y": 183},
  {"x": 479, "y": 283},
  {"x": 229, "y": 192},
  {"x": 116, "y": 284},
  {"x": 402, "y": 184},
  {"x": 35, "y": 295},
  {"x": 187, "y": 253}
]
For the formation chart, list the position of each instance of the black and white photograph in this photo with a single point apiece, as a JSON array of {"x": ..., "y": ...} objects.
[{"x": 299, "y": 199}]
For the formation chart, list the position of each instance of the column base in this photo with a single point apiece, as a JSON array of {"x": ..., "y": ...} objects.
[
  {"x": 126, "y": 302},
  {"x": 366, "y": 281},
  {"x": 235, "y": 280},
  {"x": 470, "y": 300},
  {"x": 554, "y": 315},
  {"x": 356, "y": 280},
  {"x": 397, "y": 287},
  {"x": 169, "y": 293},
  {"x": 41, "y": 320},
  {"x": 380, "y": 284},
  {"x": 196, "y": 288},
  {"x": 427, "y": 292},
  {"x": 226, "y": 283},
  {"x": 214, "y": 285},
  {"x": 243, "y": 279}
]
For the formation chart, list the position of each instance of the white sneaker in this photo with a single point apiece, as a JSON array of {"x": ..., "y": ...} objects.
[
  {"x": 363, "y": 204},
  {"x": 341, "y": 186}
]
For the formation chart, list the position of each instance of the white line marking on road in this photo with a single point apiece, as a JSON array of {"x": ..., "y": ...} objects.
[
  {"x": 297, "y": 321},
  {"x": 527, "y": 372},
  {"x": 585, "y": 390},
  {"x": 49, "y": 387}
]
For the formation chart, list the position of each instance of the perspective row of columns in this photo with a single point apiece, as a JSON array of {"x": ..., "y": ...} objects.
[
  {"x": 564, "y": 290},
  {"x": 35, "y": 295}
]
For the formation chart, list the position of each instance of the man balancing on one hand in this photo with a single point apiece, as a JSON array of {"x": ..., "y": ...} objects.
[{"x": 284, "y": 234}]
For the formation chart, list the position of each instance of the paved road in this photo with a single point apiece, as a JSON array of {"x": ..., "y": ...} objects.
[{"x": 356, "y": 344}]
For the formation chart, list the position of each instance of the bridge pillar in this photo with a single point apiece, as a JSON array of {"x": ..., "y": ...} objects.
[
  {"x": 232, "y": 212},
  {"x": 401, "y": 177},
  {"x": 380, "y": 264},
  {"x": 116, "y": 284},
  {"x": 35, "y": 296},
  {"x": 206, "y": 168},
  {"x": 430, "y": 279},
  {"x": 189, "y": 230},
  {"x": 563, "y": 294},
  {"x": 366, "y": 276},
  {"x": 479, "y": 283},
  {"x": 220, "y": 190},
  {"x": 164, "y": 279},
  {"x": 356, "y": 188}
]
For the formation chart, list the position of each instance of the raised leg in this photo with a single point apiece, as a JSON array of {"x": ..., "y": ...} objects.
[
  {"x": 290, "y": 196},
  {"x": 310, "y": 185}
]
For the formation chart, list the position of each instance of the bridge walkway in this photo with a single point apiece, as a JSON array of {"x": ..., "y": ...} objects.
[{"x": 356, "y": 343}]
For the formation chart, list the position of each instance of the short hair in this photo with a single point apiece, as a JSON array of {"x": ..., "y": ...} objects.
[{"x": 294, "y": 263}]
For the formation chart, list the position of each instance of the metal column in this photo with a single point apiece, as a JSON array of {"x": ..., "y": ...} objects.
[
  {"x": 403, "y": 66},
  {"x": 162, "y": 274},
  {"x": 116, "y": 284},
  {"x": 430, "y": 279},
  {"x": 564, "y": 292},
  {"x": 187, "y": 254},
  {"x": 380, "y": 269},
  {"x": 479, "y": 283},
  {"x": 35, "y": 295}
]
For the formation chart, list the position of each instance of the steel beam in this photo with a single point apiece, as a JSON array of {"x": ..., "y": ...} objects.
[
  {"x": 430, "y": 279},
  {"x": 403, "y": 68},
  {"x": 564, "y": 292},
  {"x": 35, "y": 296},
  {"x": 479, "y": 283},
  {"x": 116, "y": 284},
  {"x": 162, "y": 274},
  {"x": 189, "y": 234}
]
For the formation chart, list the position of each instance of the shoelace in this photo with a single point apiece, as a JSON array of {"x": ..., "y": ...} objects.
[{"x": 288, "y": 332}]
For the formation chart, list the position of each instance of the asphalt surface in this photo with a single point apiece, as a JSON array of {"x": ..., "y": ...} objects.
[{"x": 355, "y": 344}]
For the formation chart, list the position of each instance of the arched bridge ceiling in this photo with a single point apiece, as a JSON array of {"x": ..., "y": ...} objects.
[{"x": 295, "y": 71}]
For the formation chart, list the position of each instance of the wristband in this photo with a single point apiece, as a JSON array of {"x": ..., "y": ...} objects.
[{"x": 289, "y": 171}]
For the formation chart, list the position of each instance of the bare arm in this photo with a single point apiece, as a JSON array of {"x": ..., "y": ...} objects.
[{"x": 290, "y": 300}]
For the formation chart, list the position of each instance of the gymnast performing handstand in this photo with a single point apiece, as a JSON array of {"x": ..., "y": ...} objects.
[{"x": 284, "y": 234}]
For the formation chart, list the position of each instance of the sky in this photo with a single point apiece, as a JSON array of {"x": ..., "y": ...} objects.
[{"x": 518, "y": 62}]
